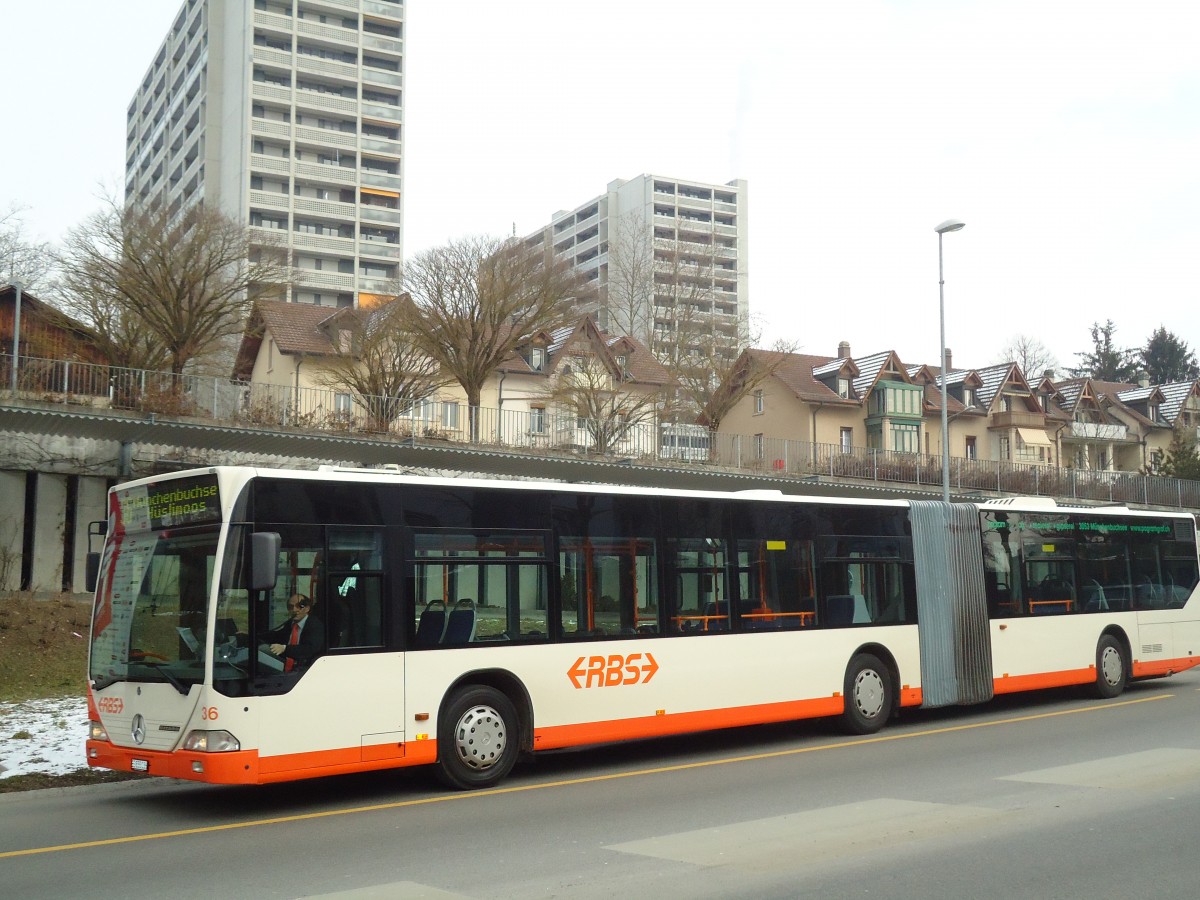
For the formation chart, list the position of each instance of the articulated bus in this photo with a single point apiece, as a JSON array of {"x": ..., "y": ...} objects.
[{"x": 466, "y": 622}]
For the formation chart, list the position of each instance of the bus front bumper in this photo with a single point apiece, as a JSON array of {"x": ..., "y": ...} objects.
[{"x": 235, "y": 767}]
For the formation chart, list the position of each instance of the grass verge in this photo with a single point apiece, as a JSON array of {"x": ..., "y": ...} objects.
[{"x": 43, "y": 655}]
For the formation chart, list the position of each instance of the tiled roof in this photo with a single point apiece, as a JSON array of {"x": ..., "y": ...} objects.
[
  {"x": 868, "y": 370},
  {"x": 1174, "y": 396},
  {"x": 992, "y": 379},
  {"x": 796, "y": 370}
]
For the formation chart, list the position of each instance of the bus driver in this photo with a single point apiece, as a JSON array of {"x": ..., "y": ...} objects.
[{"x": 300, "y": 639}]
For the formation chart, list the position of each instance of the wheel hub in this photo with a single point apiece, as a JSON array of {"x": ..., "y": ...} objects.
[
  {"x": 480, "y": 737},
  {"x": 869, "y": 693}
]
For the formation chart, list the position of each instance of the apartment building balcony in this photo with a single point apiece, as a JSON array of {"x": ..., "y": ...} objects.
[
  {"x": 326, "y": 243},
  {"x": 337, "y": 280},
  {"x": 381, "y": 179},
  {"x": 376, "y": 42},
  {"x": 317, "y": 100},
  {"x": 334, "y": 174},
  {"x": 262, "y": 91},
  {"x": 326, "y": 137},
  {"x": 269, "y": 128},
  {"x": 270, "y": 200},
  {"x": 273, "y": 22},
  {"x": 319, "y": 65},
  {"x": 381, "y": 145},
  {"x": 725, "y": 229},
  {"x": 260, "y": 162},
  {"x": 337, "y": 4},
  {"x": 380, "y": 214},
  {"x": 377, "y": 285},
  {"x": 383, "y": 10},
  {"x": 385, "y": 112},
  {"x": 272, "y": 57},
  {"x": 683, "y": 201},
  {"x": 330, "y": 208},
  {"x": 1017, "y": 419},
  {"x": 694, "y": 225},
  {"x": 1100, "y": 431},
  {"x": 379, "y": 249},
  {"x": 382, "y": 76},
  {"x": 721, "y": 206},
  {"x": 328, "y": 32}
]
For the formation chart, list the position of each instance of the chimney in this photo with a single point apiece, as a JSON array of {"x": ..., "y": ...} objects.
[
  {"x": 949, "y": 365},
  {"x": 1048, "y": 374},
  {"x": 844, "y": 350},
  {"x": 1144, "y": 379}
]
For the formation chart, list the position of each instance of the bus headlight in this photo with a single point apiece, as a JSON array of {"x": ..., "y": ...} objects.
[
  {"x": 96, "y": 732},
  {"x": 211, "y": 742}
]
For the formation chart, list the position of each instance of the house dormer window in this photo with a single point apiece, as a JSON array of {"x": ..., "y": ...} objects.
[
  {"x": 843, "y": 388},
  {"x": 537, "y": 359},
  {"x": 968, "y": 396}
]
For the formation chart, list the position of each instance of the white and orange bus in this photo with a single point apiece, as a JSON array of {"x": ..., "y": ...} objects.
[{"x": 466, "y": 622}]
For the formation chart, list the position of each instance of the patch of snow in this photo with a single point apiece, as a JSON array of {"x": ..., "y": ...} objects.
[{"x": 43, "y": 736}]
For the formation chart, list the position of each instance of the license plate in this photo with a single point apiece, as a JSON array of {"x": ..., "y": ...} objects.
[{"x": 141, "y": 765}]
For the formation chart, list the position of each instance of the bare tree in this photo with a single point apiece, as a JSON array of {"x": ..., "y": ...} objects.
[
  {"x": 379, "y": 364},
  {"x": 182, "y": 282},
  {"x": 711, "y": 367},
  {"x": 597, "y": 395},
  {"x": 478, "y": 299},
  {"x": 1030, "y": 355},
  {"x": 22, "y": 261},
  {"x": 628, "y": 293}
]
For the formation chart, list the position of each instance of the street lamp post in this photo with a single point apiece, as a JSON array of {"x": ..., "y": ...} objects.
[{"x": 948, "y": 225}]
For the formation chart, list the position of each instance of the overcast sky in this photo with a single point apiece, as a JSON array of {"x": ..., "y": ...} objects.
[{"x": 1065, "y": 134}]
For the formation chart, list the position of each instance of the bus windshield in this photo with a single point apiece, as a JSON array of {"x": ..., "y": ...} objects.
[{"x": 151, "y": 604}]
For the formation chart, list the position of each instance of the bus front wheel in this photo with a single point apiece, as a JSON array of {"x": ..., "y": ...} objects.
[
  {"x": 477, "y": 738},
  {"x": 868, "y": 693},
  {"x": 1112, "y": 672}
]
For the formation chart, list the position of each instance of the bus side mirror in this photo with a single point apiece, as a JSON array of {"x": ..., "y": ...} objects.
[
  {"x": 91, "y": 572},
  {"x": 264, "y": 559}
]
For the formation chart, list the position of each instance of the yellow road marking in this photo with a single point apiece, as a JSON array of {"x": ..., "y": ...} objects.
[{"x": 591, "y": 779}]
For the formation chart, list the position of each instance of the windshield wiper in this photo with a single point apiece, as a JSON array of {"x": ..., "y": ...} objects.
[{"x": 162, "y": 670}]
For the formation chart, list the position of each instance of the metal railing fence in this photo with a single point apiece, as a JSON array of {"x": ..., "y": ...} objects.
[{"x": 219, "y": 401}]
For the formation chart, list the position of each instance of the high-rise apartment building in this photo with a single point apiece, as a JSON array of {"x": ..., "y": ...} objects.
[
  {"x": 661, "y": 253},
  {"x": 286, "y": 115}
]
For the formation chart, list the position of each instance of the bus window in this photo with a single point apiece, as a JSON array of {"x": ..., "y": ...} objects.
[
  {"x": 775, "y": 584},
  {"x": 1104, "y": 582},
  {"x": 477, "y": 586},
  {"x": 1179, "y": 572},
  {"x": 867, "y": 581},
  {"x": 608, "y": 586},
  {"x": 349, "y": 584},
  {"x": 1049, "y": 576},
  {"x": 1001, "y": 566},
  {"x": 702, "y": 589}
]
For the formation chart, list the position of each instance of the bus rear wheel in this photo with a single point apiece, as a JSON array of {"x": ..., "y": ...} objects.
[
  {"x": 1112, "y": 672},
  {"x": 477, "y": 738},
  {"x": 868, "y": 693}
]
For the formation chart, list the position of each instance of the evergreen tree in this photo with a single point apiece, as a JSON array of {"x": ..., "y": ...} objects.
[
  {"x": 1106, "y": 362},
  {"x": 1181, "y": 460},
  {"x": 1166, "y": 358}
]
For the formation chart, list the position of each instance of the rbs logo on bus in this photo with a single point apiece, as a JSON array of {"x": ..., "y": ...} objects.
[{"x": 610, "y": 671}]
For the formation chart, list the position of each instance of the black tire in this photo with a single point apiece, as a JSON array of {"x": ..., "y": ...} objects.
[
  {"x": 1112, "y": 668},
  {"x": 868, "y": 693},
  {"x": 477, "y": 738}
]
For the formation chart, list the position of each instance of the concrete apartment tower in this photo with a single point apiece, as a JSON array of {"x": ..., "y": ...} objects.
[
  {"x": 287, "y": 116},
  {"x": 658, "y": 250}
]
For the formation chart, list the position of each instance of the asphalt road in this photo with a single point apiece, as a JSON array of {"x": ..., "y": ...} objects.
[{"x": 1041, "y": 796}]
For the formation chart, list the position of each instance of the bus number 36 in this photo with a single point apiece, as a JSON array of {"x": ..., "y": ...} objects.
[
  {"x": 208, "y": 713},
  {"x": 610, "y": 671}
]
